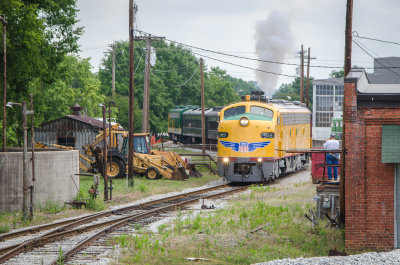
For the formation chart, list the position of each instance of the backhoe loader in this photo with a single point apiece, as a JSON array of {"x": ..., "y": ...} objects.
[{"x": 151, "y": 163}]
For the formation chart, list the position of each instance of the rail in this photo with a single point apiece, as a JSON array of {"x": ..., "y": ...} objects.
[{"x": 65, "y": 228}]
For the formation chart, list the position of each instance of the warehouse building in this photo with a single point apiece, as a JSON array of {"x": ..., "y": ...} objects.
[{"x": 372, "y": 163}]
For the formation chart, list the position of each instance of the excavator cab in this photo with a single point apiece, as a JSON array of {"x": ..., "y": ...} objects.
[
  {"x": 154, "y": 164},
  {"x": 141, "y": 143}
]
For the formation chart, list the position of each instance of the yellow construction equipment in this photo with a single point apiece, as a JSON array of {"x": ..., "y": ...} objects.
[{"x": 151, "y": 163}]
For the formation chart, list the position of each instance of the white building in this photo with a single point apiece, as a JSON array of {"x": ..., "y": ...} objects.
[{"x": 328, "y": 105}]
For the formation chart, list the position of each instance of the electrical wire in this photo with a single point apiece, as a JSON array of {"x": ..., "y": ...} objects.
[
  {"x": 388, "y": 68},
  {"x": 254, "y": 59},
  {"x": 187, "y": 81},
  {"x": 355, "y": 34},
  {"x": 259, "y": 70}
]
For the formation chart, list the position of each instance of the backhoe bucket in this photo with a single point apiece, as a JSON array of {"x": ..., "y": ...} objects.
[
  {"x": 179, "y": 174},
  {"x": 193, "y": 172}
]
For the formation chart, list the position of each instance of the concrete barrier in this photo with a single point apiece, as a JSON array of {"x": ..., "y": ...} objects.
[{"x": 56, "y": 179}]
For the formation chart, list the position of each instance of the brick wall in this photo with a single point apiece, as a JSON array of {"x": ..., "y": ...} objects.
[{"x": 369, "y": 186}]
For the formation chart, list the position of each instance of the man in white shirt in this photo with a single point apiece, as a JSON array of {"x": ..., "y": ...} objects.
[{"x": 332, "y": 158}]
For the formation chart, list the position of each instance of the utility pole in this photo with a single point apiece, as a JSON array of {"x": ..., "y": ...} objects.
[
  {"x": 105, "y": 152},
  {"x": 25, "y": 179},
  {"x": 33, "y": 157},
  {"x": 113, "y": 47},
  {"x": 302, "y": 75},
  {"x": 347, "y": 68},
  {"x": 146, "y": 87},
  {"x": 3, "y": 20},
  {"x": 203, "y": 117},
  {"x": 348, "y": 37},
  {"x": 308, "y": 77},
  {"x": 132, "y": 7}
]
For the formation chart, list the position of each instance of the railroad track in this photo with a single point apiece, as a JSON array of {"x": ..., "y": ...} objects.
[{"x": 50, "y": 243}]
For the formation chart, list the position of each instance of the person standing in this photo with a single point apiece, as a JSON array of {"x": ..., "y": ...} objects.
[{"x": 332, "y": 158}]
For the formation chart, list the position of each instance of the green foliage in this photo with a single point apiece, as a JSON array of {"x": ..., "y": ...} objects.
[
  {"x": 337, "y": 73},
  {"x": 174, "y": 80},
  {"x": 292, "y": 90},
  {"x": 39, "y": 36},
  {"x": 142, "y": 187},
  {"x": 52, "y": 207},
  {"x": 4, "y": 229},
  {"x": 223, "y": 236},
  {"x": 60, "y": 260},
  {"x": 91, "y": 203},
  {"x": 75, "y": 84}
]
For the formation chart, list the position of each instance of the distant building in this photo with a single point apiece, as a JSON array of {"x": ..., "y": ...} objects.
[
  {"x": 385, "y": 71},
  {"x": 73, "y": 130},
  {"x": 327, "y": 105},
  {"x": 328, "y": 94}
]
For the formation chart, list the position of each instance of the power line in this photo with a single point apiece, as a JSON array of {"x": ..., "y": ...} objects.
[
  {"x": 254, "y": 59},
  {"x": 243, "y": 57},
  {"x": 355, "y": 34},
  {"x": 187, "y": 81},
  {"x": 355, "y": 42},
  {"x": 254, "y": 69}
]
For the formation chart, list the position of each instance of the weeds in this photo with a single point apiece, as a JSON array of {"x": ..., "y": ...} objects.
[
  {"x": 52, "y": 207},
  {"x": 91, "y": 203},
  {"x": 224, "y": 235},
  {"x": 4, "y": 229},
  {"x": 142, "y": 187}
]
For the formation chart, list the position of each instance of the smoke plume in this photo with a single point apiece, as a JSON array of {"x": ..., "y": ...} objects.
[{"x": 274, "y": 40}]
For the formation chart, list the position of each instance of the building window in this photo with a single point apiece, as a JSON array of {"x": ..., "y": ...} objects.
[
  {"x": 323, "y": 119},
  {"x": 339, "y": 101},
  {"x": 66, "y": 141},
  {"x": 324, "y": 103},
  {"x": 324, "y": 90},
  {"x": 339, "y": 90}
]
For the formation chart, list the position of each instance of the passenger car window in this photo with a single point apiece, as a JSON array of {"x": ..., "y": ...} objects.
[
  {"x": 234, "y": 111},
  {"x": 261, "y": 111}
]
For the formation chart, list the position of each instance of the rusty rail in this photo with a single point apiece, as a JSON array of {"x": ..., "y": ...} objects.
[
  {"x": 135, "y": 218},
  {"x": 15, "y": 249}
]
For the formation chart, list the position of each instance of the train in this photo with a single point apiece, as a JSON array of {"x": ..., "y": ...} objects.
[
  {"x": 184, "y": 124},
  {"x": 254, "y": 134}
]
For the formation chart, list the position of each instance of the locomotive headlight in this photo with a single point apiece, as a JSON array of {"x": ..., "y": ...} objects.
[
  {"x": 225, "y": 160},
  {"x": 259, "y": 160},
  {"x": 244, "y": 121}
]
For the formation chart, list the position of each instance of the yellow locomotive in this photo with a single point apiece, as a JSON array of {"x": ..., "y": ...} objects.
[{"x": 253, "y": 133}]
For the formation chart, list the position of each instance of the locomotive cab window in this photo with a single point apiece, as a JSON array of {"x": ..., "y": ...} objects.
[
  {"x": 234, "y": 111},
  {"x": 261, "y": 111}
]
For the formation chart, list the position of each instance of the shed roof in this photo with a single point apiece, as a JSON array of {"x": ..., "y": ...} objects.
[{"x": 82, "y": 118}]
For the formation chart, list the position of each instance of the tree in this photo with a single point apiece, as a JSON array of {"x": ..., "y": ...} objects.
[
  {"x": 40, "y": 33},
  {"x": 174, "y": 80},
  {"x": 292, "y": 91},
  {"x": 337, "y": 73}
]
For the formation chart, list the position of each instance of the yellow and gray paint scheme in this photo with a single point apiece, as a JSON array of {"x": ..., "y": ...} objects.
[{"x": 252, "y": 135}]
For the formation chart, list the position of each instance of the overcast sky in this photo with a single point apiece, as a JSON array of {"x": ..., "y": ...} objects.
[{"x": 230, "y": 26}]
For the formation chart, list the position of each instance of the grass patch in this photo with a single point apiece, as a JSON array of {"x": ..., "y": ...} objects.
[
  {"x": 223, "y": 236},
  {"x": 142, "y": 188},
  {"x": 51, "y": 207},
  {"x": 4, "y": 229}
]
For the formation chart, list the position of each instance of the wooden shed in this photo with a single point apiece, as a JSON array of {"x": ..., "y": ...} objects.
[{"x": 73, "y": 130}]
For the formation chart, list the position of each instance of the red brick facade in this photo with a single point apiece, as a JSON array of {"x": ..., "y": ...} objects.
[{"x": 369, "y": 183}]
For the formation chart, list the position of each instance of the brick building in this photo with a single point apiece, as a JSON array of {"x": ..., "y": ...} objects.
[{"x": 372, "y": 164}]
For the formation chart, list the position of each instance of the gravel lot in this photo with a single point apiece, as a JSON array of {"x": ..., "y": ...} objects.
[{"x": 373, "y": 258}]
